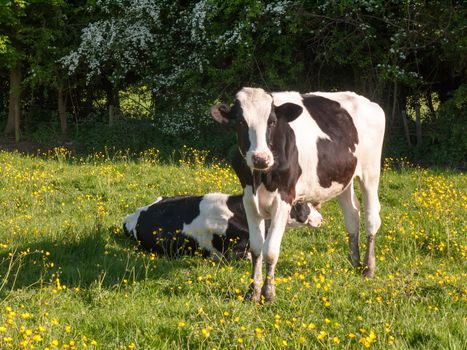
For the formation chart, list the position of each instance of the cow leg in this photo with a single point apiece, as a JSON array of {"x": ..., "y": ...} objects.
[
  {"x": 372, "y": 219},
  {"x": 256, "y": 234},
  {"x": 351, "y": 209},
  {"x": 272, "y": 245}
]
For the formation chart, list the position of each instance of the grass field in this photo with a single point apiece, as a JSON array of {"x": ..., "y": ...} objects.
[{"x": 69, "y": 279}]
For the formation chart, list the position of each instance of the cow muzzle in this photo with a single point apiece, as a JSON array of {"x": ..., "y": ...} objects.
[
  {"x": 261, "y": 160},
  {"x": 314, "y": 219}
]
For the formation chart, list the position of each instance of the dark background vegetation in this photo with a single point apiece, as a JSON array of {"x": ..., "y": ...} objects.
[{"x": 133, "y": 74}]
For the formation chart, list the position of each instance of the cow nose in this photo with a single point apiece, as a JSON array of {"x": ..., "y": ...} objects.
[
  {"x": 315, "y": 223},
  {"x": 261, "y": 160}
]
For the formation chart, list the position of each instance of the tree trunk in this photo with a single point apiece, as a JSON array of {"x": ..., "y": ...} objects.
[
  {"x": 406, "y": 128},
  {"x": 113, "y": 102},
  {"x": 394, "y": 102},
  {"x": 10, "y": 123},
  {"x": 61, "y": 101},
  {"x": 418, "y": 124},
  {"x": 14, "y": 104},
  {"x": 112, "y": 113}
]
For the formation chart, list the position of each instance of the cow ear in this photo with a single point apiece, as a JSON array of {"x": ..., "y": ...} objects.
[
  {"x": 288, "y": 111},
  {"x": 221, "y": 113}
]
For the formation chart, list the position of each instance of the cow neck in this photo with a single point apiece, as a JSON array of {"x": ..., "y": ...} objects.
[{"x": 284, "y": 175}]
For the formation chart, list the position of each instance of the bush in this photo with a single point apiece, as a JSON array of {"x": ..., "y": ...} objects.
[
  {"x": 139, "y": 135},
  {"x": 448, "y": 142}
]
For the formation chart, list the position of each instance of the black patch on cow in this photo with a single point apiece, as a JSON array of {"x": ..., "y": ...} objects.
[
  {"x": 336, "y": 161},
  {"x": 242, "y": 170},
  {"x": 243, "y": 138},
  {"x": 284, "y": 174},
  {"x": 126, "y": 232},
  {"x": 272, "y": 123},
  {"x": 237, "y": 224},
  {"x": 159, "y": 228},
  {"x": 244, "y": 173},
  {"x": 235, "y": 240},
  {"x": 288, "y": 111},
  {"x": 300, "y": 212},
  {"x": 219, "y": 243}
]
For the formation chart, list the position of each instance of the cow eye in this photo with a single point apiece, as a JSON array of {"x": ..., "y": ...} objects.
[{"x": 272, "y": 122}]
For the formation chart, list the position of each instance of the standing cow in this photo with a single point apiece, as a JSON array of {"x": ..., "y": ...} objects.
[{"x": 304, "y": 147}]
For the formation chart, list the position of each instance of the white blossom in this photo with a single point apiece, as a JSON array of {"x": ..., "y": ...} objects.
[{"x": 132, "y": 36}]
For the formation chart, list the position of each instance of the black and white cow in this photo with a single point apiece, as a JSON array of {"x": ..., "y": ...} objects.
[
  {"x": 213, "y": 224},
  {"x": 296, "y": 147}
]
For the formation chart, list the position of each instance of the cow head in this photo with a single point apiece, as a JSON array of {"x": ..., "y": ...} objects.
[
  {"x": 305, "y": 214},
  {"x": 257, "y": 120}
]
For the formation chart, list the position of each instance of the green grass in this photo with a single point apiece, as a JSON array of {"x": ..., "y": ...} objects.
[{"x": 70, "y": 279}]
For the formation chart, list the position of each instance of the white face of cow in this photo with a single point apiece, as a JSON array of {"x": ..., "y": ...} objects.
[
  {"x": 304, "y": 214},
  {"x": 256, "y": 105},
  {"x": 314, "y": 218},
  {"x": 257, "y": 122}
]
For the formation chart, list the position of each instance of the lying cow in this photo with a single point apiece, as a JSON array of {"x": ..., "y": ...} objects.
[
  {"x": 213, "y": 224},
  {"x": 304, "y": 147}
]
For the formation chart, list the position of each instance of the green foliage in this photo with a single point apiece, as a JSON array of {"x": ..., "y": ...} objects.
[
  {"x": 25, "y": 35},
  {"x": 448, "y": 130},
  {"x": 11, "y": 13},
  {"x": 134, "y": 136},
  {"x": 136, "y": 102}
]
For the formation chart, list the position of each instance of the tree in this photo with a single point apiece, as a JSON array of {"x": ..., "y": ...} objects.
[
  {"x": 186, "y": 52},
  {"x": 36, "y": 34},
  {"x": 10, "y": 58},
  {"x": 394, "y": 52}
]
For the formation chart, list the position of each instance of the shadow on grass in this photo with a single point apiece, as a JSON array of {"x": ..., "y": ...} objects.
[
  {"x": 99, "y": 259},
  {"x": 423, "y": 340}
]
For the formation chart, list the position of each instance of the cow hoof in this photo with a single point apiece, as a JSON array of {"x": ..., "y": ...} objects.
[
  {"x": 355, "y": 261},
  {"x": 367, "y": 272},
  {"x": 253, "y": 294},
  {"x": 268, "y": 294}
]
